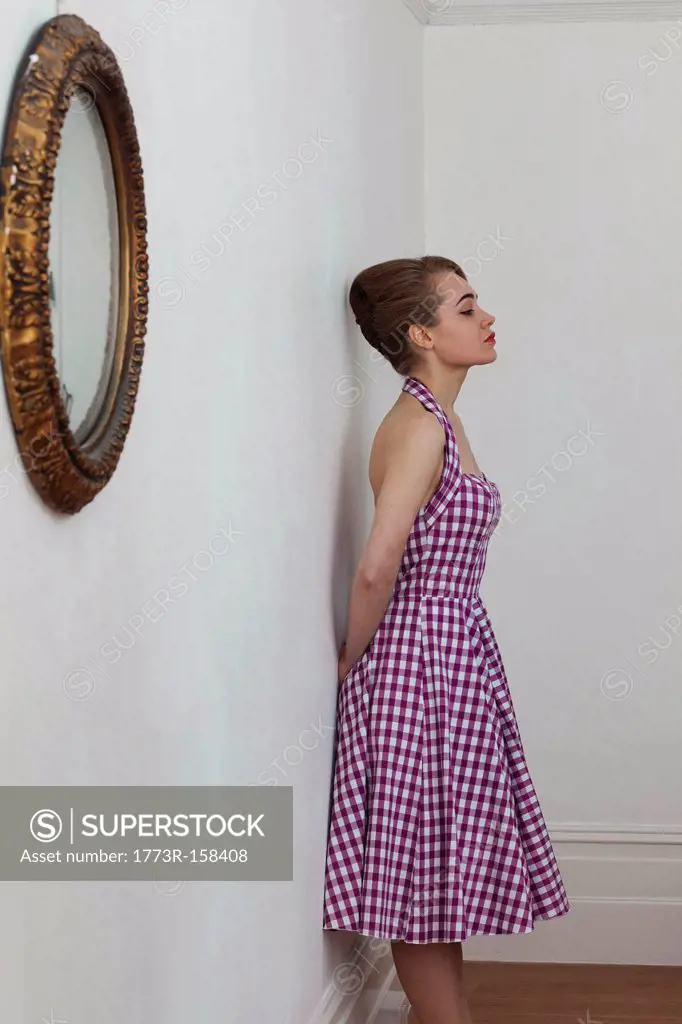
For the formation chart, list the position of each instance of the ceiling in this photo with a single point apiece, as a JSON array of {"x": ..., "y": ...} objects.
[{"x": 498, "y": 12}]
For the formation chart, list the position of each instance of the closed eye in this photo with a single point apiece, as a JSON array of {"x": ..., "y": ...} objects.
[{"x": 467, "y": 312}]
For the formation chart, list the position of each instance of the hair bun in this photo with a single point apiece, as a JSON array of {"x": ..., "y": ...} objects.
[
  {"x": 363, "y": 309},
  {"x": 387, "y": 297}
]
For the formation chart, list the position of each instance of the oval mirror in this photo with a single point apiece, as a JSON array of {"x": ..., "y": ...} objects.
[
  {"x": 83, "y": 257},
  {"x": 73, "y": 263}
]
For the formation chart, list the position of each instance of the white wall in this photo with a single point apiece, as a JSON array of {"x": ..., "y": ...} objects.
[
  {"x": 561, "y": 142},
  {"x": 244, "y": 422}
]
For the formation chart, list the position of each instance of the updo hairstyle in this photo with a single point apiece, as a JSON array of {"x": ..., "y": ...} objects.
[{"x": 387, "y": 297}]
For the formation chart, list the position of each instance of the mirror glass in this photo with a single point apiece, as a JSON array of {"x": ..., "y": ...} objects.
[{"x": 84, "y": 264}]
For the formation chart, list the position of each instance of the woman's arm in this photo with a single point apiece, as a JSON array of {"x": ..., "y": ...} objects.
[{"x": 413, "y": 456}]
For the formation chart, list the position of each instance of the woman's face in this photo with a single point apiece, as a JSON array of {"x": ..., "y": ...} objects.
[{"x": 460, "y": 337}]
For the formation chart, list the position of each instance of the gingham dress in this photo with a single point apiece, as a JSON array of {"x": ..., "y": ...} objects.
[{"x": 435, "y": 830}]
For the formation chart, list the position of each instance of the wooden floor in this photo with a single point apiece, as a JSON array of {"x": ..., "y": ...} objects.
[{"x": 572, "y": 994}]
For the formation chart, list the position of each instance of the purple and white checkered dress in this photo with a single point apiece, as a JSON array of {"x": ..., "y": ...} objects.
[{"x": 436, "y": 833}]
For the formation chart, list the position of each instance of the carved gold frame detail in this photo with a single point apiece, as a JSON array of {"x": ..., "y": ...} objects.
[{"x": 66, "y": 55}]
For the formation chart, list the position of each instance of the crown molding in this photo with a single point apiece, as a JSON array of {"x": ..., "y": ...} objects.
[{"x": 501, "y": 12}]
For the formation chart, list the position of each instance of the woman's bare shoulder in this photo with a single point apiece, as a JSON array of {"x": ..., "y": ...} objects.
[{"x": 402, "y": 418}]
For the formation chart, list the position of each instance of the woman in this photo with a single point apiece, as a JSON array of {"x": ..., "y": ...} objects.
[{"x": 436, "y": 833}]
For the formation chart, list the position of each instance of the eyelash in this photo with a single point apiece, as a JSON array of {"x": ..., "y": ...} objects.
[{"x": 467, "y": 312}]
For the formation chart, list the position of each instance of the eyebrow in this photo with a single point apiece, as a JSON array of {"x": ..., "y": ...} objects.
[{"x": 467, "y": 295}]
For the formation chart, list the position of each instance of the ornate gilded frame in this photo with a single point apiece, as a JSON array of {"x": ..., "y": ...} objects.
[{"x": 66, "y": 54}]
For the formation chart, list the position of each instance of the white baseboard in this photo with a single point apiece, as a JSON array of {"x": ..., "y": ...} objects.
[
  {"x": 418, "y": 9},
  {"x": 394, "y": 1001},
  {"x": 624, "y": 883},
  {"x": 366, "y": 977},
  {"x": 618, "y": 931},
  {"x": 614, "y": 930},
  {"x": 386, "y": 998}
]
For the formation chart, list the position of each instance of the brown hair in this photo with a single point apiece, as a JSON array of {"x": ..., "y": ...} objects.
[{"x": 387, "y": 297}]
